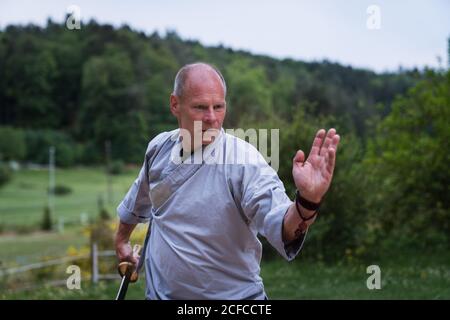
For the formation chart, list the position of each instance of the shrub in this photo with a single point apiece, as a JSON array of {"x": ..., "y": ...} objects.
[
  {"x": 61, "y": 190},
  {"x": 12, "y": 144},
  {"x": 104, "y": 214},
  {"x": 103, "y": 235},
  {"x": 38, "y": 144},
  {"x": 46, "y": 223},
  {"x": 117, "y": 167},
  {"x": 5, "y": 174}
]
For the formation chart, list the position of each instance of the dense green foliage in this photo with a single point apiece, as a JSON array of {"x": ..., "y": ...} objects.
[
  {"x": 408, "y": 165},
  {"x": 5, "y": 174},
  {"x": 85, "y": 87}
]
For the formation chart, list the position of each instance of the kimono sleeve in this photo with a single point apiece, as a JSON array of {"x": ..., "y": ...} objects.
[
  {"x": 136, "y": 205},
  {"x": 265, "y": 203}
]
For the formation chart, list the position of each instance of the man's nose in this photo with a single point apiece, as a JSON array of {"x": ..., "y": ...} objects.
[{"x": 209, "y": 116}]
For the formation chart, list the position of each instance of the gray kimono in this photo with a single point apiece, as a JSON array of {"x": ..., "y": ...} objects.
[{"x": 205, "y": 211}]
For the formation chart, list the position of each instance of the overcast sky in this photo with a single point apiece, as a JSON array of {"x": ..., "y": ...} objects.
[{"x": 412, "y": 32}]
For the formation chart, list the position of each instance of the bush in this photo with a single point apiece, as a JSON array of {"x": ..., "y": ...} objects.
[
  {"x": 117, "y": 167},
  {"x": 46, "y": 223},
  {"x": 61, "y": 190},
  {"x": 407, "y": 162},
  {"x": 5, "y": 174},
  {"x": 103, "y": 235},
  {"x": 67, "y": 152},
  {"x": 91, "y": 153},
  {"x": 104, "y": 214},
  {"x": 12, "y": 144}
]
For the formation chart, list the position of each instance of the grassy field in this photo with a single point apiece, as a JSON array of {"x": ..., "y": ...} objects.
[
  {"x": 23, "y": 199},
  {"x": 29, "y": 248},
  {"x": 403, "y": 275},
  {"x": 299, "y": 280}
]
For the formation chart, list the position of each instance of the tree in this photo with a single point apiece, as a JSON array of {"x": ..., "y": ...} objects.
[
  {"x": 248, "y": 92},
  {"x": 409, "y": 164},
  {"x": 29, "y": 74},
  {"x": 110, "y": 108}
]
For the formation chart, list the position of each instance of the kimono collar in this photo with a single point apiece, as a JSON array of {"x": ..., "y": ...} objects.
[{"x": 198, "y": 156}]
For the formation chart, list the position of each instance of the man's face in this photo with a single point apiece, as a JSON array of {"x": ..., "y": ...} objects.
[{"x": 201, "y": 110}]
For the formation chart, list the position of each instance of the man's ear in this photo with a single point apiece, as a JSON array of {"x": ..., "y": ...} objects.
[{"x": 174, "y": 105}]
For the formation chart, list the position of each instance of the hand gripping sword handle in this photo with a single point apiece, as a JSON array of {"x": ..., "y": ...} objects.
[{"x": 126, "y": 268}]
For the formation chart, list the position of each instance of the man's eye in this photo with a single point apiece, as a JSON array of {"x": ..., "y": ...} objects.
[
  {"x": 219, "y": 106},
  {"x": 200, "y": 107}
]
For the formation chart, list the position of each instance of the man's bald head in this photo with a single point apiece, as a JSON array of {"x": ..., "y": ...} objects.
[
  {"x": 199, "y": 98},
  {"x": 196, "y": 73}
]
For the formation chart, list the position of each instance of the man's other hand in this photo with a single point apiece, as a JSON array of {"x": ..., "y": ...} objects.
[{"x": 313, "y": 176}]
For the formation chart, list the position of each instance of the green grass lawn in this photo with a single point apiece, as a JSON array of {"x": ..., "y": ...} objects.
[
  {"x": 348, "y": 281},
  {"x": 23, "y": 199},
  {"x": 29, "y": 248},
  {"x": 298, "y": 280}
]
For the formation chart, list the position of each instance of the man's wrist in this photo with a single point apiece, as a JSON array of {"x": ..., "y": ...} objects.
[
  {"x": 315, "y": 198},
  {"x": 307, "y": 205},
  {"x": 305, "y": 214},
  {"x": 312, "y": 199}
]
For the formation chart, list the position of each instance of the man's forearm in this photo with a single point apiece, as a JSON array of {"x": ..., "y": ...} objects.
[
  {"x": 292, "y": 222},
  {"x": 124, "y": 232}
]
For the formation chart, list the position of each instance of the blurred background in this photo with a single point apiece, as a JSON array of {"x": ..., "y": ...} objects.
[{"x": 84, "y": 86}]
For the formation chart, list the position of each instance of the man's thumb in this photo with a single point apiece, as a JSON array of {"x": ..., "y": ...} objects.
[{"x": 299, "y": 157}]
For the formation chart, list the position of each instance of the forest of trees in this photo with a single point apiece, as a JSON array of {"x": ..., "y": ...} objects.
[{"x": 77, "y": 89}]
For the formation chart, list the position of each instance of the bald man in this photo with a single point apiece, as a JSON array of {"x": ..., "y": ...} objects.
[{"x": 205, "y": 208}]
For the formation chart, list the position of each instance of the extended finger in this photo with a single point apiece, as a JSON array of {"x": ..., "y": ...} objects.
[
  {"x": 331, "y": 158},
  {"x": 317, "y": 143},
  {"x": 335, "y": 141},
  {"x": 324, "y": 149}
]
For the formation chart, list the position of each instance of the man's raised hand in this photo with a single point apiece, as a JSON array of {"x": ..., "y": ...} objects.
[{"x": 313, "y": 176}]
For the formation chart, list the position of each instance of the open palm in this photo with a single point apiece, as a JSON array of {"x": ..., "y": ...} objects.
[{"x": 313, "y": 176}]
